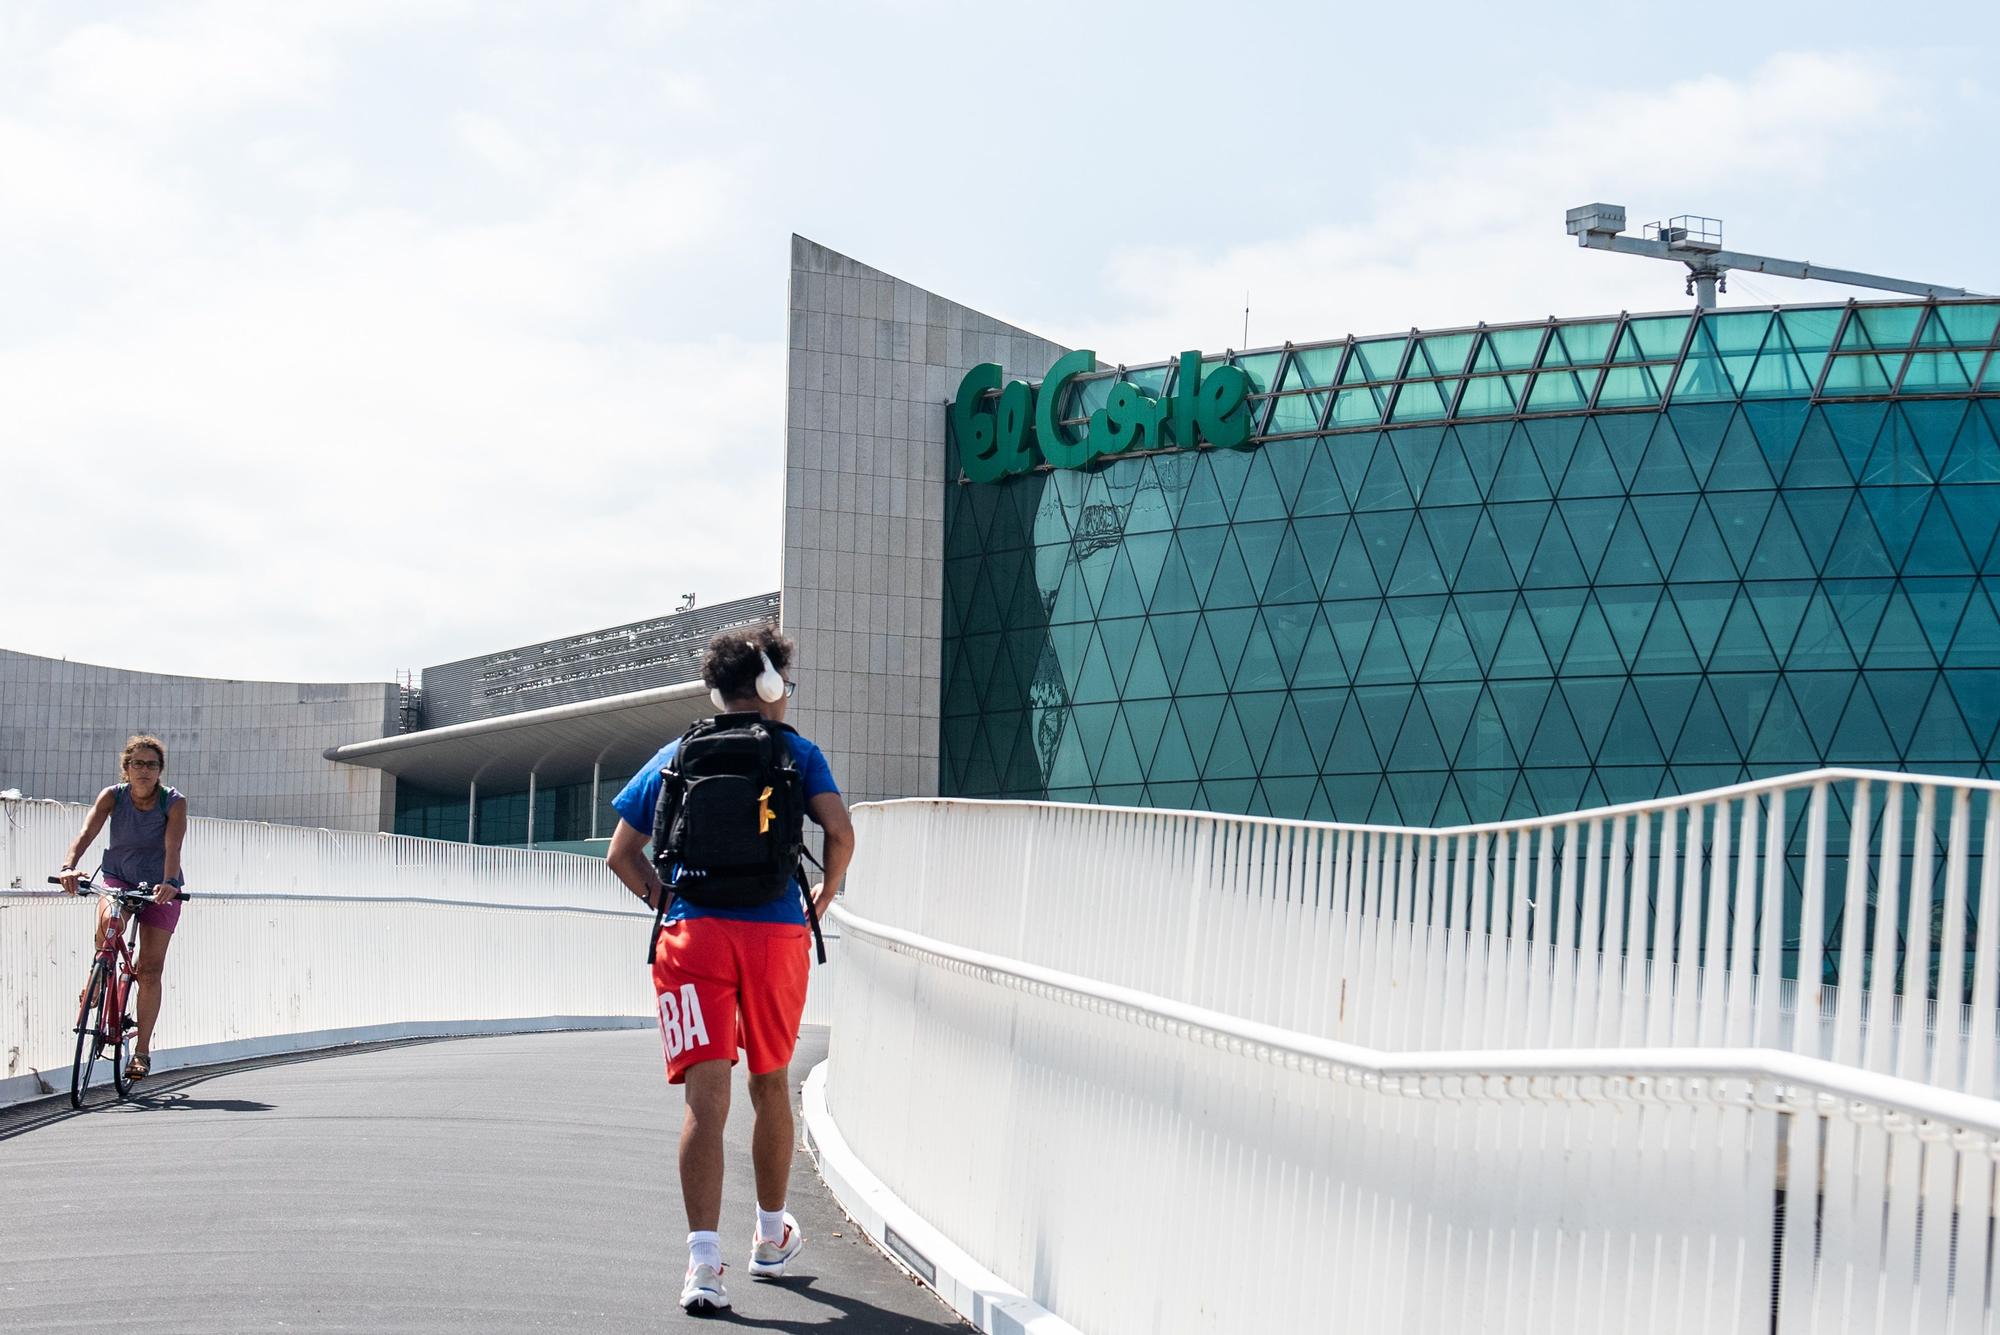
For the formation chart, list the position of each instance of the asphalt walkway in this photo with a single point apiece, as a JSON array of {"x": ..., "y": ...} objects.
[{"x": 521, "y": 1183}]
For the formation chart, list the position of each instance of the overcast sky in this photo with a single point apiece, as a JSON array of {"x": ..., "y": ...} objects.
[{"x": 340, "y": 338}]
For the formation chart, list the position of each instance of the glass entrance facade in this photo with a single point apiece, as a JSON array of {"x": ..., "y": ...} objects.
[{"x": 1491, "y": 572}]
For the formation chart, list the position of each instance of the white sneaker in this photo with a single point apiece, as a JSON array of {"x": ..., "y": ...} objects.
[
  {"x": 702, "y": 1291},
  {"x": 767, "y": 1259}
]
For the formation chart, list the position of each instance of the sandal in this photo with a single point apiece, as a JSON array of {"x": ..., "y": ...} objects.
[{"x": 138, "y": 1068}]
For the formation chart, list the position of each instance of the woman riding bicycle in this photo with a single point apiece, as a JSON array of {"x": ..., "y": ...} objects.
[{"x": 148, "y": 822}]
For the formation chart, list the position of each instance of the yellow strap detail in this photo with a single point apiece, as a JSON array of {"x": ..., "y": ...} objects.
[{"x": 764, "y": 812}]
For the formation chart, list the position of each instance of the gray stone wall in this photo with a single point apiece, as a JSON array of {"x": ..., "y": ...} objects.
[
  {"x": 872, "y": 362},
  {"x": 244, "y": 750}
]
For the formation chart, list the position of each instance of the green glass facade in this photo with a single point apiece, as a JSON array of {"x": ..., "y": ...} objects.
[{"x": 1492, "y": 572}]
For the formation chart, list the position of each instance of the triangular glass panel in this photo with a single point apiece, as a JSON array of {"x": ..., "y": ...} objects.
[
  {"x": 1628, "y": 737},
  {"x": 1520, "y": 652},
  {"x": 1446, "y": 353},
  {"x": 1313, "y": 368},
  {"x": 1485, "y": 564},
  {"x": 1555, "y": 562},
  {"x": 1766, "y": 721},
  {"x": 1417, "y": 570},
  {"x": 1510, "y": 349},
  {"x": 1519, "y": 528},
  {"x": 1423, "y": 400},
  {"x": 1632, "y": 386},
  {"x": 1704, "y": 555},
  {"x": 1629, "y": 612},
  {"x": 1519, "y": 474},
  {"x": 1262, "y": 496},
  {"x": 1384, "y": 533},
  {"x": 1488, "y": 396},
  {"x": 1888, "y": 326},
  {"x": 1940, "y": 735},
  {"x": 1352, "y": 623},
  {"x": 1666, "y": 647},
  {"x": 1378, "y": 358},
  {"x": 1485, "y": 617},
  {"x": 1862, "y": 737},
  {"x": 1666, "y": 701},
  {"x": 1557, "y": 392},
  {"x": 1665, "y": 467},
  {"x": 1819, "y": 643},
  {"x": 1741, "y": 646},
  {"x": 1260, "y": 668},
  {"x": 1592, "y": 648},
  {"x": 1451, "y": 480},
  {"x": 1320, "y": 492},
  {"x": 1653, "y": 339},
  {"x": 1451, "y": 657},
  {"x": 1628, "y": 557},
  {"x": 1485, "y": 744},
  {"x": 1351, "y": 751},
  {"x": 1861, "y": 373},
  {"x": 1977, "y": 693}
]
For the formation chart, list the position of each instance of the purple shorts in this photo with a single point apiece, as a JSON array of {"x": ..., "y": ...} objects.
[{"x": 163, "y": 916}]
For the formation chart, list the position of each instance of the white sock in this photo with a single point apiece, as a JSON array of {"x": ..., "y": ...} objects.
[
  {"x": 771, "y": 1224},
  {"x": 705, "y": 1248}
]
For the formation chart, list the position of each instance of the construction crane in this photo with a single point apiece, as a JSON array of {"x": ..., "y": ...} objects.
[{"x": 1697, "y": 243}]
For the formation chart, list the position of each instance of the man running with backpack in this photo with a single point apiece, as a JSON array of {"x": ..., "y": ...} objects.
[{"x": 724, "y": 808}]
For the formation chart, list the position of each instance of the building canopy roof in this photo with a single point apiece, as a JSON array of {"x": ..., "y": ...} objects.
[{"x": 558, "y": 745}]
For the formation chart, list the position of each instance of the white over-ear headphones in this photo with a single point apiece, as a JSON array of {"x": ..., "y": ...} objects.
[{"x": 770, "y": 685}]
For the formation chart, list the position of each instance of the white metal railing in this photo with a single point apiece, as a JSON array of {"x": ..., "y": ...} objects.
[
  {"x": 1543, "y": 1075},
  {"x": 297, "y": 937}
]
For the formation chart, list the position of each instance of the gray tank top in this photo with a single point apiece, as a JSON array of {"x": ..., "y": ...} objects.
[{"x": 138, "y": 848}]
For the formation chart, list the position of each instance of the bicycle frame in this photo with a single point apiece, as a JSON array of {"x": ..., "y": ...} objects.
[
  {"x": 113, "y": 959},
  {"x": 114, "y": 948}
]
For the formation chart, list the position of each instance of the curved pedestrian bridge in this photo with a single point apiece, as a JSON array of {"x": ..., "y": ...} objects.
[
  {"x": 1728, "y": 1061},
  {"x": 516, "y": 1183}
]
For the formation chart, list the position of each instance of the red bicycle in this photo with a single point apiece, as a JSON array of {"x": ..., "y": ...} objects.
[{"x": 104, "y": 1020}]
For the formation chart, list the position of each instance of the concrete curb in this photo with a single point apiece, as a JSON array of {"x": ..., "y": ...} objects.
[
  {"x": 45, "y": 1084},
  {"x": 969, "y": 1288}
]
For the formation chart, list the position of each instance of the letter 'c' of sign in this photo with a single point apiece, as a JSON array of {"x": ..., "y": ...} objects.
[
  {"x": 972, "y": 425},
  {"x": 1059, "y": 451}
]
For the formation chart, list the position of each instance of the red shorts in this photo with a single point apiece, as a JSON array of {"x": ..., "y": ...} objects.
[{"x": 725, "y": 985}]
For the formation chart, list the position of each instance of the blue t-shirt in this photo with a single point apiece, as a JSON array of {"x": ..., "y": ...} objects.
[{"x": 636, "y": 802}]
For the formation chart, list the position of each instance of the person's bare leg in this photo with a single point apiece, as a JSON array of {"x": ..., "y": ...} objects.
[
  {"x": 151, "y": 960},
  {"x": 706, "y": 1093},
  {"x": 771, "y": 1137}
]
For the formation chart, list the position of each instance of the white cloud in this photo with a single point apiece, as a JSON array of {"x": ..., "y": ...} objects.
[
  {"x": 365, "y": 435},
  {"x": 1473, "y": 231}
]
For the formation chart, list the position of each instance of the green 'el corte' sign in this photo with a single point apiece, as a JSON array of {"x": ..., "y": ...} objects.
[{"x": 1022, "y": 428}]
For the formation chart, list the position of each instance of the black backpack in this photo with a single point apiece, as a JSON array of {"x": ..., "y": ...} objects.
[{"x": 729, "y": 830}]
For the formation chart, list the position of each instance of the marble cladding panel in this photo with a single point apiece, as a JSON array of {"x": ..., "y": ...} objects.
[
  {"x": 871, "y": 364},
  {"x": 242, "y": 750}
]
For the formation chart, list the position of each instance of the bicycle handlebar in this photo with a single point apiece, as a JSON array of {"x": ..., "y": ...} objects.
[{"x": 140, "y": 891}]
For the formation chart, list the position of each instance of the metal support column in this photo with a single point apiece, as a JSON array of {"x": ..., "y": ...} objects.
[
  {"x": 472, "y": 812},
  {"x": 596, "y": 773},
  {"x": 531, "y": 808}
]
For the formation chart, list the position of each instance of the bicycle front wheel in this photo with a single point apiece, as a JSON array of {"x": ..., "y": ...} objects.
[{"x": 89, "y": 1021}]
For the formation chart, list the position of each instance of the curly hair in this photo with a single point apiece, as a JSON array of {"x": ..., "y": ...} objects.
[
  {"x": 138, "y": 742},
  {"x": 731, "y": 664}
]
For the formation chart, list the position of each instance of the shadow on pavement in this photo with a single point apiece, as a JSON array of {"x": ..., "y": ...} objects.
[
  {"x": 853, "y": 1313},
  {"x": 157, "y": 1093}
]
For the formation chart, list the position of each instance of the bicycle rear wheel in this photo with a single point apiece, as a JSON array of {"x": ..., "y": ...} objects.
[
  {"x": 89, "y": 1021},
  {"x": 119, "y": 1000}
]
